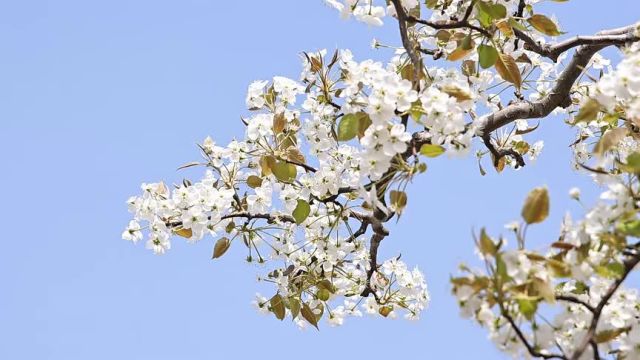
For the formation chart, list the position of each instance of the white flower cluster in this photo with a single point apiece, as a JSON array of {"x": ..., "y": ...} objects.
[
  {"x": 264, "y": 193},
  {"x": 582, "y": 269},
  {"x": 621, "y": 88}
]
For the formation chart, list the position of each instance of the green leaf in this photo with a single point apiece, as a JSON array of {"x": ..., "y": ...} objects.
[
  {"x": 488, "y": 56},
  {"x": 536, "y": 206},
  {"x": 326, "y": 284},
  {"x": 221, "y": 247},
  {"x": 323, "y": 294},
  {"x": 608, "y": 335},
  {"x": 348, "y": 127},
  {"x": 277, "y": 306},
  {"x": 301, "y": 212},
  {"x": 467, "y": 43},
  {"x": 284, "y": 171},
  {"x": 497, "y": 11},
  {"x": 459, "y": 53},
  {"x": 613, "y": 270},
  {"x": 504, "y": 27},
  {"x": 398, "y": 200},
  {"x": 501, "y": 269},
  {"x": 544, "y": 25},
  {"x": 633, "y": 161},
  {"x": 430, "y": 150},
  {"x": 527, "y": 307},
  {"x": 630, "y": 227}
]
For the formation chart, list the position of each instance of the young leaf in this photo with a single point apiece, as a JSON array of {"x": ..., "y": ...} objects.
[
  {"x": 308, "y": 315},
  {"x": 610, "y": 139},
  {"x": 301, "y": 212},
  {"x": 505, "y": 28},
  {"x": 486, "y": 245},
  {"x": 279, "y": 122},
  {"x": 284, "y": 171},
  {"x": 398, "y": 200},
  {"x": 385, "y": 310},
  {"x": 508, "y": 69},
  {"x": 254, "y": 181},
  {"x": 185, "y": 233},
  {"x": 589, "y": 111},
  {"x": 536, "y": 206},
  {"x": 266, "y": 165},
  {"x": 294, "y": 307},
  {"x": 544, "y": 25},
  {"x": 323, "y": 294},
  {"x": 527, "y": 307},
  {"x": 364, "y": 121},
  {"x": 221, "y": 247},
  {"x": 459, "y": 53},
  {"x": 456, "y": 92},
  {"x": 277, "y": 306}
]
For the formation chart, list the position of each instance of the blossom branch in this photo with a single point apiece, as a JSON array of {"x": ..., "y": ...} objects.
[
  {"x": 530, "y": 348},
  {"x": 617, "y": 37},
  {"x": 591, "y": 332},
  {"x": 407, "y": 44},
  {"x": 460, "y": 24}
]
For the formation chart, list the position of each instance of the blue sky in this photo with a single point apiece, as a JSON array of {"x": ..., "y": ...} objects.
[{"x": 99, "y": 96}]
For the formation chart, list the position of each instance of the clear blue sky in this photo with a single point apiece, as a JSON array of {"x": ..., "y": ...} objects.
[{"x": 99, "y": 96}]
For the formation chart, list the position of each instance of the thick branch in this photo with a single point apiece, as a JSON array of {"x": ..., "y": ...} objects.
[
  {"x": 411, "y": 49},
  {"x": 554, "y": 51},
  {"x": 559, "y": 95}
]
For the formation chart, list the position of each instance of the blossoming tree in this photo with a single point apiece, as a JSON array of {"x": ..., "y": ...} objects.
[{"x": 327, "y": 158}]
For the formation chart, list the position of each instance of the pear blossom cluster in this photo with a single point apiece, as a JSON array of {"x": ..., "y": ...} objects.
[
  {"x": 616, "y": 95},
  {"x": 296, "y": 212},
  {"x": 326, "y": 158},
  {"x": 578, "y": 269}
]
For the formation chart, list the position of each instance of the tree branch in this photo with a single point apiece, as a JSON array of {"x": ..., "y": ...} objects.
[
  {"x": 575, "y": 300},
  {"x": 554, "y": 51},
  {"x": 588, "y": 339},
  {"x": 559, "y": 95},
  {"x": 444, "y": 25},
  {"x": 525, "y": 342},
  {"x": 411, "y": 48}
]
